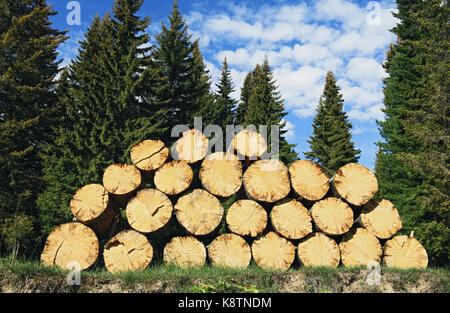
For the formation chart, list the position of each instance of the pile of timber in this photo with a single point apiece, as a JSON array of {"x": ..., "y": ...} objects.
[{"x": 279, "y": 216}]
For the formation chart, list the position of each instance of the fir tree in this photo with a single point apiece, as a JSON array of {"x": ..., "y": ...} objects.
[
  {"x": 224, "y": 104},
  {"x": 245, "y": 95},
  {"x": 330, "y": 143}
]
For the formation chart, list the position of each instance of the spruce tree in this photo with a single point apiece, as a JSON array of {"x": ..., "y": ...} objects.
[
  {"x": 224, "y": 105},
  {"x": 28, "y": 67},
  {"x": 245, "y": 96},
  {"x": 330, "y": 143}
]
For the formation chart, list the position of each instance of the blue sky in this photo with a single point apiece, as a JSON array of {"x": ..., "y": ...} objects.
[{"x": 302, "y": 40}]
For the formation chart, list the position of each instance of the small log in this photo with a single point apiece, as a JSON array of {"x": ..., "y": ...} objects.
[
  {"x": 267, "y": 181},
  {"x": 149, "y": 155},
  {"x": 149, "y": 210},
  {"x": 246, "y": 218},
  {"x": 317, "y": 249},
  {"x": 199, "y": 212},
  {"x": 127, "y": 251},
  {"x": 308, "y": 180},
  {"x": 185, "y": 252},
  {"x": 121, "y": 179},
  {"x": 405, "y": 252},
  {"x": 221, "y": 174},
  {"x": 174, "y": 177},
  {"x": 291, "y": 219},
  {"x": 92, "y": 206},
  {"x": 71, "y": 244},
  {"x": 192, "y": 146},
  {"x": 332, "y": 216},
  {"x": 355, "y": 183},
  {"x": 359, "y": 247},
  {"x": 381, "y": 218},
  {"x": 273, "y": 252},
  {"x": 249, "y": 144},
  {"x": 229, "y": 250}
]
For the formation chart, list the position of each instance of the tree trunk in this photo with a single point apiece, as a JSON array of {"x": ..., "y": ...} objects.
[
  {"x": 291, "y": 219},
  {"x": 249, "y": 144},
  {"x": 360, "y": 248},
  {"x": 355, "y": 183},
  {"x": 267, "y": 181},
  {"x": 221, "y": 174},
  {"x": 192, "y": 146},
  {"x": 92, "y": 206},
  {"x": 229, "y": 250},
  {"x": 127, "y": 251},
  {"x": 199, "y": 212},
  {"x": 317, "y": 249},
  {"x": 308, "y": 180},
  {"x": 71, "y": 242},
  {"x": 121, "y": 180},
  {"x": 405, "y": 252},
  {"x": 273, "y": 252},
  {"x": 174, "y": 177},
  {"x": 149, "y": 155},
  {"x": 332, "y": 216},
  {"x": 149, "y": 210},
  {"x": 185, "y": 252},
  {"x": 246, "y": 218},
  {"x": 381, "y": 218}
]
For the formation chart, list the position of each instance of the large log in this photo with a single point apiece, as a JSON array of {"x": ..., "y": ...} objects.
[
  {"x": 308, "y": 180},
  {"x": 229, "y": 250},
  {"x": 249, "y": 144},
  {"x": 149, "y": 155},
  {"x": 332, "y": 216},
  {"x": 174, "y": 177},
  {"x": 291, "y": 219},
  {"x": 267, "y": 181},
  {"x": 185, "y": 252},
  {"x": 317, "y": 249},
  {"x": 71, "y": 244},
  {"x": 127, "y": 251},
  {"x": 381, "y": 218},
  {"x": 199, "y": 212},
  {"x": 221, "y": 174},
  {"x": 149, "y": 210},
  {"x": 192, "y": 146},
  {"x": 246, "y": 218},
  {"x": 273, "y": 252},
  {"x": 355, "y": 183},
  {"x": 92, "y": 206},
  {"x": 405, "y": 252},
  {"x": 360, "y": 248},
  {"x": 121, "y": 179}
]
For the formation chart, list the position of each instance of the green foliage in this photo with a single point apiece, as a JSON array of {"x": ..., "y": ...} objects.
[
  {"x": 330, "y": 143},
  {"x": 223, "y": 287}
]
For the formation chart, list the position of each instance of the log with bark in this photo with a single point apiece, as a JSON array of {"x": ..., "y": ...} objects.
[
  {"x": 317, "y": 249},
  {"x": 291, "y": 219},
  {"x": 192, "y": 146},
  {"x": 185, "y": 252},
  {"x": 174, "y": 177},
  {"x": 149, "y": 155},
  {"x": 249, "y": 144},
  {"x": 308, "y": 180},
  {"x": 246, "y": 218},
  {"x": 359, "y": 247},
  {"x": 332, "y": 216},
  {"x": 381, "y": 218},
  {"x": 405, "y": 252},
  {"x": 229, "y": 250},
  {"x": 71, "y": 245},
  {"x": 273, "y": 252}
]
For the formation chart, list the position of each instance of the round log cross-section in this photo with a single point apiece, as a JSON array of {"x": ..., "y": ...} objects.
[
  {"x": 291, "y": 219},
  {"x": 381, "y": 218},
  {"x": 249, "y": 144},
  {"x": 405, "y": 252},
  {"x": 121, "y": 179},
  {"x": 317, "y": 249},
  {"x": 192, "y": 146},
  {"x": 332, "y": 216},
  {"x": 360, "y": 248},
  {"x": 308, "y": 180},
  {"x": 174, "y": 177},
  {"x": 149, "y": 155},
  {"x": 229, "y": 250},
  {"x": 273, "y": 252},
  {"x": 246, "y": 218},
  {"x": 185, "y": 252}
]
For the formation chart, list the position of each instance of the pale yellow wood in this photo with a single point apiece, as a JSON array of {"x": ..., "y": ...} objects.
[
  {"x": 381, "y": 218},
  {"x": 221, "y": 174},
  {"x": 360, "y": 248},
  {"x": 355, "y": 183},
  {"x": 174, "y": 177},
  {"x": 273, "y": 252},
  {"x": 192, "y": 146},
  {"x": 185, "y": 252},
  {"x": 199, "y": 212},
  {"x": 249, "y": 143},
  {"x": 405, "y": 252},
  {"x": 308, "y": 180},
  {"x": 246, "y": 218},
  {"x": 332, "y": 216},
  {"x": 121, "y": 179},
  {"x": 229, "y": 250},
  {"x": 291, "y": 219},
  {"x": 71, "y": 244},
  {"x": 149, "y": 155},
  {"x": 149, "y": 210},
  {"x": 267, "y": 181},
  {"x": 317, "y": 249},
  {"x": 127, "y": 251}
]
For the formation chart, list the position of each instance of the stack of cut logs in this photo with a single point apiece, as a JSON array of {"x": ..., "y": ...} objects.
[{"x": 279, "y": 216}]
